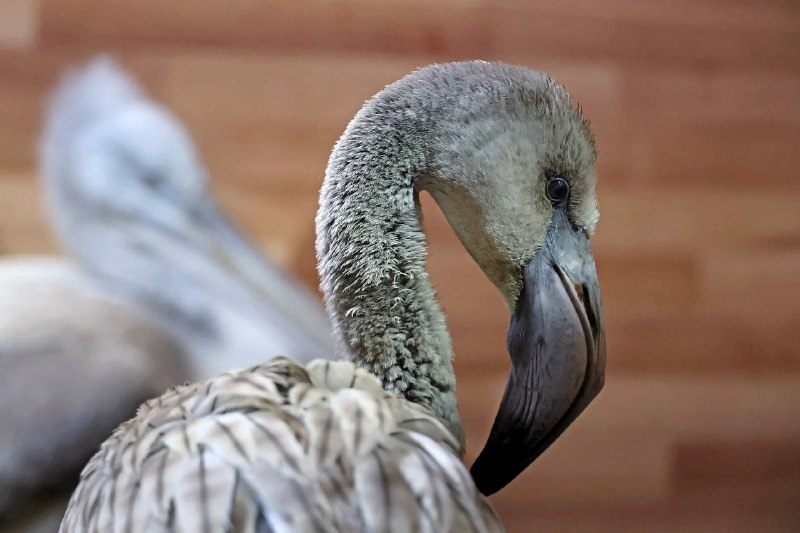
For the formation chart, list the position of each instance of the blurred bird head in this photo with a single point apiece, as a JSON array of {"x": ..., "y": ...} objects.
[
  {"x": 112, "y": 158},
  {"x": 130, "y": 200}
]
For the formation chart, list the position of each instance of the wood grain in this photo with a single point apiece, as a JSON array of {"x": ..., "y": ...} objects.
[{"x": 696, "y": 110}]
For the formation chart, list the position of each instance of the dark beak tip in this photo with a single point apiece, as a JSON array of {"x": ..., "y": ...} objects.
[
  {"x": 486, "y": 483},
  {"x": 599, "y": 384},
  {"x": 568, "y": 369}
]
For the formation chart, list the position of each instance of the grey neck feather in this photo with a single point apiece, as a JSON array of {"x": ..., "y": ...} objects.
[
  {"x": 372, "y": 253},
  {"x": 477, "y": 136}
]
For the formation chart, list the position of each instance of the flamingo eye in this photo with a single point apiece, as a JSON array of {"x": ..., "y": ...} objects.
[{"x": 557, "y": 191}]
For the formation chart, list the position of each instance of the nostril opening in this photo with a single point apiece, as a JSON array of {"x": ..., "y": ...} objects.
[{"x": 580, "y": 291}]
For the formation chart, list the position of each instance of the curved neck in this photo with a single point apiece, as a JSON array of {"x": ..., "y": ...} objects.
[{"x": 371, "y": 250}]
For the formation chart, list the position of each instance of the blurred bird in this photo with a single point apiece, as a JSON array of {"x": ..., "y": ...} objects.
[
  {"x": 74, "y": 362},
  {"x": 375, "y": 443},
  {"x": 165, "y": 288},
  {"x": 130, "y": 201}
]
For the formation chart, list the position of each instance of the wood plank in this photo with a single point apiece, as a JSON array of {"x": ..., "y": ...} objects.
[
  {"x": 727, "y": 158},
  {"x": 19, "y": 23},
  {"x": 24, "y": 229},
  {"x": 673, "y": 219},
  {"x": 699, "y": 465},
  {"x": 628, "y": 424},
  {"x": 738, "y": 99},
  {"x": 700, "y": 14},
  {"x": 271, "y": 121},
  {"x": 696, "y": 516},
  {"x": 395, "y": 27},
  {"x": 700, "y": 344},
  {"x": 521, "y": 29},
  {"x": 756, "y": 278}
]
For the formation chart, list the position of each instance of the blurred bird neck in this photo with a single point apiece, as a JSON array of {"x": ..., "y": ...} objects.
[{"x": 222, "y": 318}]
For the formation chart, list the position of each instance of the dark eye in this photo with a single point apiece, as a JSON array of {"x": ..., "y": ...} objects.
[{"x": 557, "y": 190}]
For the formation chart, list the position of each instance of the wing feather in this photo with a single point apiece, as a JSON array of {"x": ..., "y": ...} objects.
[{"x": 280, "y": 448}]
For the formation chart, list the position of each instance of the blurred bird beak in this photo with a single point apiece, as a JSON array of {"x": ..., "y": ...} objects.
[
  {"x": 232, "y": 251},
  {"x": 556, "y": 342},
  {"x": 266, "y": 281},
  {"x": 201, "y": 240}
]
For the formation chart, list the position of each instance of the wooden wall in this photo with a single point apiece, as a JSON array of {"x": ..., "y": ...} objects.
[{"x": 696, "y": 106}]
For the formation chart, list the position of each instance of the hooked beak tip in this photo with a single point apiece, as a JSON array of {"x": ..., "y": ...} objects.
[{"x": 557, "y": 347}]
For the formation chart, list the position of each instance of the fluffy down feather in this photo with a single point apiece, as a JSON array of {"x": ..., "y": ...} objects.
[{"x": 280, "y": 447}]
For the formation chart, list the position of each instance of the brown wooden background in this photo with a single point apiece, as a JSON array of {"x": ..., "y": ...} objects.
[{"x": 696, "y": 106}]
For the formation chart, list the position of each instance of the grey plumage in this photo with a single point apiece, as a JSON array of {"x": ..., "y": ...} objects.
[
  {"x": 73, "y": 363},
  {"x": 279, "y": 447},
  {"x": 163, "y": 289},
  {"x": 481, "y": 138},
  {"x": 131, "y": 201}
]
